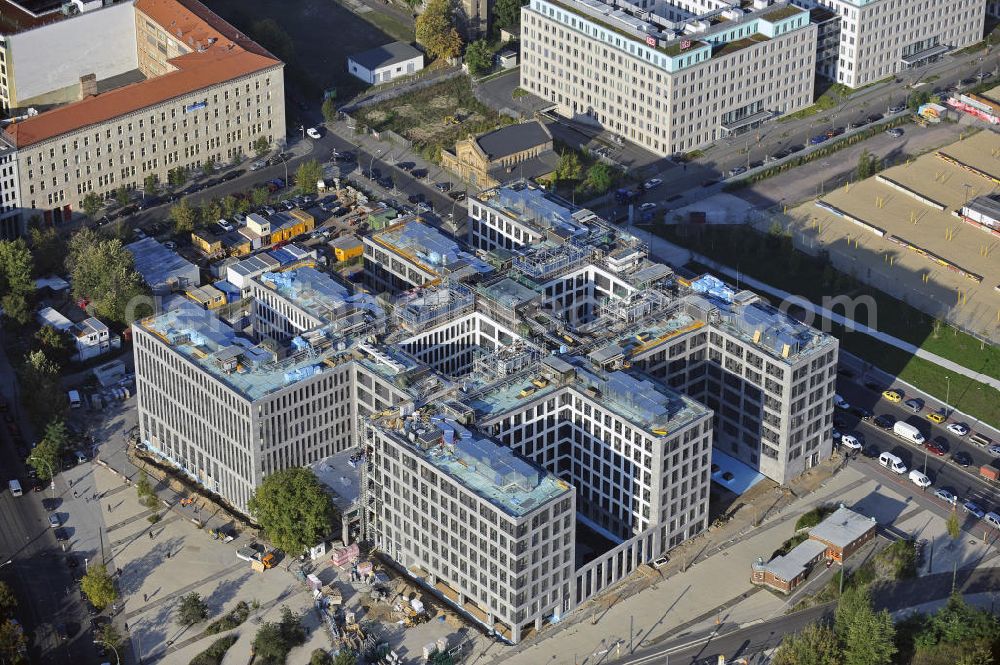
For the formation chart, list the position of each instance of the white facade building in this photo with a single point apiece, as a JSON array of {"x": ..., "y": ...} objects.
[
  {"x": 880, "y": 38},
  {"x": 93, "y": 338},
  {"x": 11, "y": 224},
  {"x": 667, "y": 78},
  {"x": 385, "y": 63}
]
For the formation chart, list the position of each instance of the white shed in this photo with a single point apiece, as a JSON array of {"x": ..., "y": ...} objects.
[{"x": 384, "y": 63}]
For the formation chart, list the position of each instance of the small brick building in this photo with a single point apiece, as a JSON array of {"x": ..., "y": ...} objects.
[{"x": 834, "y": 539}]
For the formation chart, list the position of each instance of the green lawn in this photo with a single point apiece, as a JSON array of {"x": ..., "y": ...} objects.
[
  {"x": 390, "y": 25},
  {"x": 771, "y": 260}
]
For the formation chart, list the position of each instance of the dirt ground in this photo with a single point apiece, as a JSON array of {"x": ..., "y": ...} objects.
[{"x": 323, "y": 35}]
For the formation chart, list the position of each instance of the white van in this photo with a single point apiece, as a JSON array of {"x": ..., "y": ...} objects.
[
  {"x": 890, "y": 461},
  {"x": 908, "y": 432},
  {"x": 992, "y": 519},
  {"x": 919, "y": 479},
  {"x": 15, "y": 487},
  {"x": 74, "y": 399}
]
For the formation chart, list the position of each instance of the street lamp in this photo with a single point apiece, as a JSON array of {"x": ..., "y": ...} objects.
[
  {"x": 371, "y": 163},
  {"x": 52, "y": 475},
  {"x": 118, "y": 660}
]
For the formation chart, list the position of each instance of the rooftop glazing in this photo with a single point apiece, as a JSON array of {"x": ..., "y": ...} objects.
[
  {"x": 536, "y": 208},
  {"x": 251, "y": 370},
  {"x": 509, "y": 293},
  {"x": 484, "y": 467},
  {"x": 427, "y": 246},
  {"x": 642, "y": 402},
  {"x": 756, "y": 321},
  {"x": 320, "y": 295}
]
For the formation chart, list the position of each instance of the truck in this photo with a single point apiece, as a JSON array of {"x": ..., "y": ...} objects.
[
  {"x": 989, "y": 473},
  {"x": 907, "y": 431}
]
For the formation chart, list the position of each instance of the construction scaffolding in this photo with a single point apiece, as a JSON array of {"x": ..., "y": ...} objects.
[
  {"x": 496, "y": 364},
  {"x": 424, "y": 308},
  {"x": 549, "y": 262}
]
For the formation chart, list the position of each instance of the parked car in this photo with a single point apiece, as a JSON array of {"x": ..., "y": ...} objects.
[
  {"x": 973, "y": 508},
  {"x": 649, "y": 205},
  {"x": 406, "y": 166},
  {"x": 313, "y": 133},
  {"x": 962, "y": 458},
  {"x": 994, "y": 450},
  {"x": 342, "y": 156},
  {"x": 958, "y": 429},
  {"x": 653, "y": 183},
  {"x": 841, "y": 403},
  {"x": 892, "y": 395},
  {"x": 54, "y": 520},
  {"x": 443, "y": 186},
  {"x": 819, "y": 138},
  {"x": 875, "y": 117},
  {"x": 914, "y": 404},
  {"x": 415, "y": 198},
  {"x": 862, "y": 413},
  {"x": 895, "y": 132},
  {"x": 897, "y": 108},
  {"x": 937, "y": 417},
  {"x": 736, "y": 171},
  {"x": 885, "y": 421},
  {"x": 851, "y": 442},
  {"x": 946, "y": 496},
  {"x": 256, "y": 166},
  {"x": 458, "y": 196},
  {"x": 938, "y": 447}
]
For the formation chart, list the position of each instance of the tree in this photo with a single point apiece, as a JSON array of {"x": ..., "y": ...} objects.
[
  {"x": 435, "y": 29},
  {"x": 91, "y": 204},
  {"x": 568, "y": 167},
  {"x": 864, "y": 165},
  {"x": 151, "y": 184},
  {"x": 98, "y": 586},
  {"x": 16, "y": 283},
  {"x": 103, "y": 272},
  {"x": 600, "y": 178},
  {"x": 959, "y": 623},
  {"x": 210, "y": 212},
  {"x": 48, "y": 250},
  {"x": 121, "y": 195},
  {"x": 507, "y": 13},
  {"x": 208, "y": 166},
  {"x": 306, "y": 176},
  {"x": 261, "y": 146},
  {"x": 144, "y": 490},
  {"x": 274, "y": 640},
  {"x": 329, "y": 109},
  {"x": 441, "y": 658},
  {"x": 917, "y": 99},
  {"x": 815, "y": 644},
  {"x": 271, "y": 36},
  {"x": 479, "y": 57},
  {"x": 110, "y": 635},
  {"x": 259, "y": 196},
  {"x": 8, "y": 601},
  {"x": 976, "y": 654},
  {"x": 866, "y": 637},
  {"x": 192, "y": 609},
  {"x": 56, "y": 433},
  {"x": 177, "y": 177},
  {"x": 42, "y": 397},
  {"x": 44, "y": 459},
  {"x": 293, "y": 509},
  {"x": 228, "y": 204},
  {"x": 12, "y": 641},
  {"x": 183, "y": 215},
  {"x": 344, "y": 657},
  {"x": 953, "y": 526}
]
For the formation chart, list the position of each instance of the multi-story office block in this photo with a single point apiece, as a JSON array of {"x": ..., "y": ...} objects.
[
  {"x": 410, "y": 253},
  {"x": 492, "y": 532},
  {"x": 669, "y": 76},
  {"x": 534, "y": 424},
  {"x": 879, "y": 38},
  {"x": 10, "y": 193},
  {"x": 194, "y": 89}
]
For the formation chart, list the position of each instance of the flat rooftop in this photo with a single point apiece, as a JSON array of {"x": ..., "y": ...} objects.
[
  {"x": 509, "y": 292},
  {"x": 427, "y": 247},
  {"x": 251, "y": 370},
  {"x": 341, "y": 475},
  {"x": 533, "y": 207},
  {"x": 486, "y": 468},
  {"x": 644, "y": 403},
  {"x": 225, "y": 54},
  {"x": 158, "y": 265},
  {"x": 756, "y": 321},
  {"x": 906, "y": 205},
  {"x": 310, "y": 290}
]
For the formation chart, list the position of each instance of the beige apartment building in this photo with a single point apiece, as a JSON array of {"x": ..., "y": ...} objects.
[
  {"x": 664, "y": 77},
  {"x": 204, "y": 91},
  {"x": 880, "y": 38}
]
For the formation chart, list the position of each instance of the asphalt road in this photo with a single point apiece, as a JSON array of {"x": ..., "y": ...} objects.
[
  {"x": 38, "y": 571},
  {"x": 943, "y": 471},
  {"x": 734, "y": 642}
]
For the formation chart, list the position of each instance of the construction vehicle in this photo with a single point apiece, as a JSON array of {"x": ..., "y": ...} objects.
[{"x": 269, "y": 560}]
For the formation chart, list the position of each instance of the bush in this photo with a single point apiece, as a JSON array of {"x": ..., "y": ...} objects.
[
  {"x": 231, "y": 620},
  {"x": 813, "y": 517},
  {"x": 214, "y": 654},
  {"x": 790, "y": 544}
]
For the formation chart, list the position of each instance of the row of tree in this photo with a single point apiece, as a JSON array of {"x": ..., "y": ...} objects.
[{"x": 957, "y": 634}]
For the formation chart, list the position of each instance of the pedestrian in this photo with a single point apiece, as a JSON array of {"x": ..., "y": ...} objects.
[
  {"x": 71, "y": 484},
  {"x": 150, "y": 534},
  {"x": 109, "y": 507},
  {"x": 126, "y": 626},
  {"x": 168, "y": 555},
  {"x": 76, "y": 495},
  {"x": 144, "y": 598}
]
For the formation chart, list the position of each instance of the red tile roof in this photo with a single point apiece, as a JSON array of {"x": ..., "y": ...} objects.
[{"x": 230, "y": 56}]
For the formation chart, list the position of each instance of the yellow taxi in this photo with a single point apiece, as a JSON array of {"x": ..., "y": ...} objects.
[
  {"x": 936, "y": 417},
  {"x": 892, "y": 395}
]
